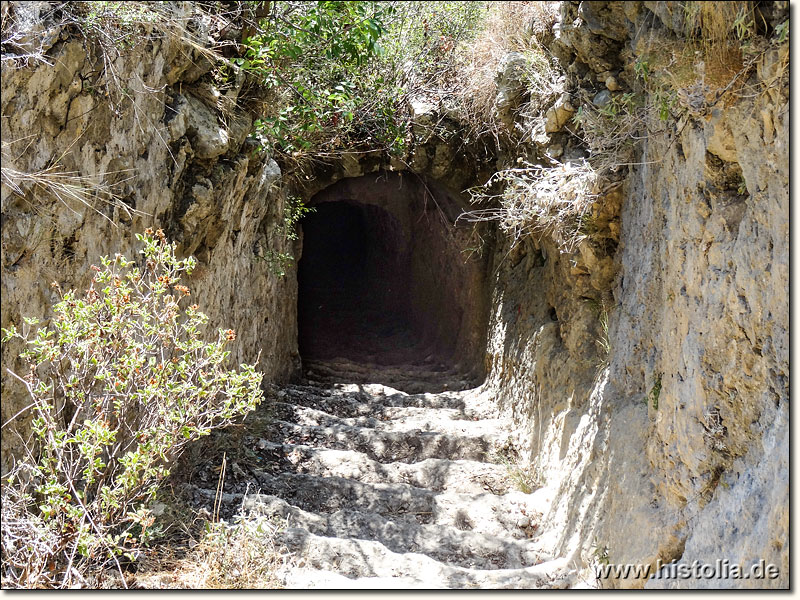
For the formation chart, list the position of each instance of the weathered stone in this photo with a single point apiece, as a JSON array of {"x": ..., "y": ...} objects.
[
  {"x": 208, "y": 136},
  {"x": 602, "y": 98},
  {"x": 176, "y": 125},
  {"x": 509, "y": 86},
  {"x": 604, "y": 19},
  {"x": 33, "y": 33},
  {"x": 559, "y": 115},
  {"x": 673, "y": 448},
  {"x": 645, "y": 373}
]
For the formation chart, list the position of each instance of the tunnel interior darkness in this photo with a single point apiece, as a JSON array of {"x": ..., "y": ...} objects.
[
  {"x": 382, "y": 279},
  {"x": 352, "y": 301}
]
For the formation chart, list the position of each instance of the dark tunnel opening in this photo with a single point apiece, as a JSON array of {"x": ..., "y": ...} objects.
[
  {"x": 382, "y": 280},
  {"x": 352, "y": 283}
]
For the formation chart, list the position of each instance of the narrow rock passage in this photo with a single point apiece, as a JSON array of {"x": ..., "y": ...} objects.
[{"x": 380, "y": 488}]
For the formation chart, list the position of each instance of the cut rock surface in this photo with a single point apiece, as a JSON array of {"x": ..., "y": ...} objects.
[{"x": 379, "y": 488}]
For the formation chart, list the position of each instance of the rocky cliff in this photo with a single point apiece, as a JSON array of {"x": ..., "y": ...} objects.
[
  {"x": 669, "y": 439},
  {"x": 88, "y": 160}
]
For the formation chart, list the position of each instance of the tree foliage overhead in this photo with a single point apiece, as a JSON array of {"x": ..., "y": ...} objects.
[
  {"x": 341, "y": 72},
  {"x": 314, "y": 57}
]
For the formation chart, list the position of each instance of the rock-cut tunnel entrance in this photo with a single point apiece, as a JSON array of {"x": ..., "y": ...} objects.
[{"x": 385, "y": 278}]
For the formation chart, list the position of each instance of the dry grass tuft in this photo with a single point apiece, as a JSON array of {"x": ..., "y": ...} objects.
[
  {"x": 610, "y": 133},
  {"x": 681, "y": 64},
  {"x": 525, "y": 477},
  {"x": 478, "y": 61},
  {"x": 68, "y": 187},
  {"x": 715, "y": 22},
  {"x": 551, "y": 200},
  {"x": 244, "y": 555},
  {"x": 240, "y": 556}
]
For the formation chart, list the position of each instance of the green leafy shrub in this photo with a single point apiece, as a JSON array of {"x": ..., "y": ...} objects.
[
  {"x": 314, "y": 56},
  {"x": 120, "y": 381},
  {"x": 341, "y": 74},
  {"x": 278, "y": 262}
]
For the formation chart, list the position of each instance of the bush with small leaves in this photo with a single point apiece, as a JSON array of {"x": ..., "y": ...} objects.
[{"x": 120, "y": 380}]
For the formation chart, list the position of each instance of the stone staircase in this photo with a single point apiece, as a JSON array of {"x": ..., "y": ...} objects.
[{"x": 379, "y": 488}]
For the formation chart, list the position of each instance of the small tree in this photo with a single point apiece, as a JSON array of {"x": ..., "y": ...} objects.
[{"x": 120, "y": 381}]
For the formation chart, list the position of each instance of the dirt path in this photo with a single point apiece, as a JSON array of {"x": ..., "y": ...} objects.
[{"x": 380, "y": 488}]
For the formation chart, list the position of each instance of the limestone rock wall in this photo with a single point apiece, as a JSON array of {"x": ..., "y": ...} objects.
[
  {"x": 675, "y": 445},
  {"x": 173, "y": 160}
]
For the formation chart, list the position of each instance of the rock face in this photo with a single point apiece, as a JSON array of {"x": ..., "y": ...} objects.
[
  {"x": 510, "y": 87},
  {"x": 662, "y": 449},
  {"x": 719, "y": 238},
  {"x": 171, "y": 159}
]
